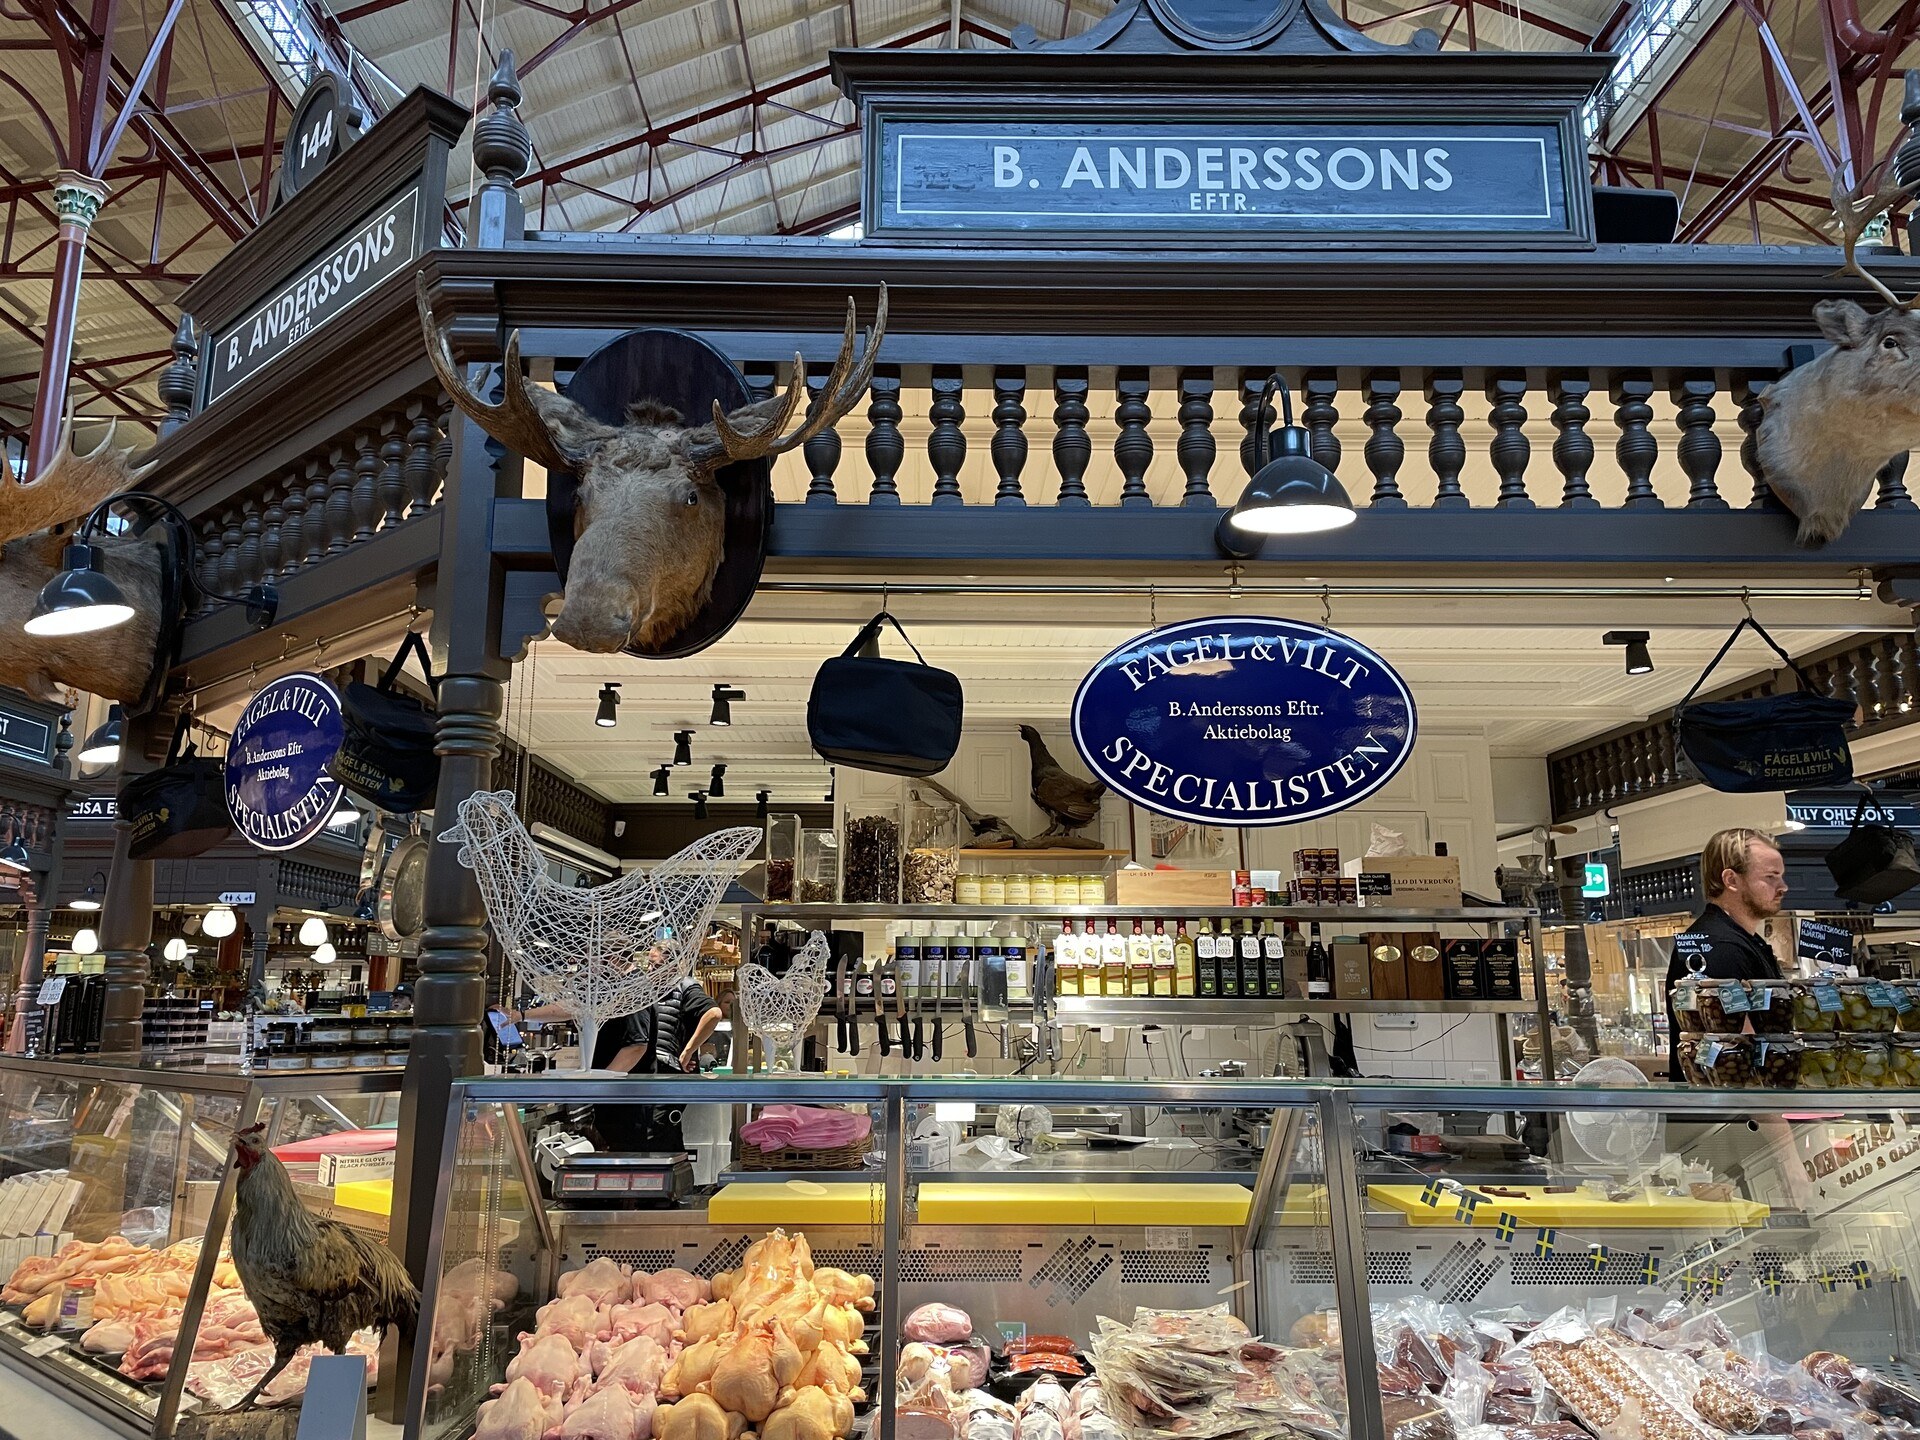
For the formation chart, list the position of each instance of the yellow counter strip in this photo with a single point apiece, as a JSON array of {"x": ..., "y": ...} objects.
[
  {"x": 1534, "y": 1207},
  {"x": 374, "y": 1196},
  {"x": 778, "y": 1203},
  {"x": 1162, "y": 1204}
]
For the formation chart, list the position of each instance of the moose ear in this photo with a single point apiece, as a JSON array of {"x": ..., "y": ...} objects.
[
  {"x": 1842, "y": 322},
  {"x": 572, "y": 428}
]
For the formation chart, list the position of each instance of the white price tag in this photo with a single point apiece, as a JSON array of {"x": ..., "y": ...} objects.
[
  {"x": 52, "y": 988},
  {"x": 1169, "y": 1237},
  {"x": 46, "y": 1345}
]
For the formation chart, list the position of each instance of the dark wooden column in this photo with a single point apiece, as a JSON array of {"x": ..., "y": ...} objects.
[{"x": 126, "y": 919}]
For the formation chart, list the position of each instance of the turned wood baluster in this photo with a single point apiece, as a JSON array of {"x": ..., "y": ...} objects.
[
  {"x": 272, "y": 514},
  {"x": 1254, "y": 418},
  {"x": 391, "y": 488},
  {"x": 443, "y": 445},
  {"x": 293, "y": 525},
  {"x": 947, "y": 442},
  {"x": 1879, "y": 682},
  {"x": 1636, "y": 449},
  {"x": 1133, "y": 446},
  {"x": 1665, "y": 747},
  {"x": 1509, "y": 450},
  {"x": 1321, "y": 416},
  {"x": 1008, "y": 448},
  {"x": 1747, "y": 390},
  {"x": 366, "y": 485},
  {"x": 822, "y": 452},
  {"x": 418, "y": 471},
  {"x": 1195, "y": 449},
  {"x": 1698, "y": 450},
  {"x": 1891, "y": 481},
  {"x": 1904, "y": 646},
  {"x": 884, "y": 448},
  {"x": 211, "y": 547},
  {"x": 1384, "y": 450},
  {"x": 315, "y": 529},
  {"x": 230, "y": 553},
  {"x": 1862, "y": 687},
  {"x": 1072, "y": 448},
  {"x": 1446, "y": 451},
  {"x": 339, "y": 499},
  {"x": 761, "y": 377},
  {"x": 1572, "y": 446}
]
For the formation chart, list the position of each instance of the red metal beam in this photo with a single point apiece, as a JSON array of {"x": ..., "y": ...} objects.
[
  {"x": 158, "y": 45},
  {"x": 586, "y": 20}
]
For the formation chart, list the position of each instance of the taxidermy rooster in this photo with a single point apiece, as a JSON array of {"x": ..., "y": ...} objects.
[
  {"x": 310, "y": 1280},
  {"x": 1068, "y": 801}
]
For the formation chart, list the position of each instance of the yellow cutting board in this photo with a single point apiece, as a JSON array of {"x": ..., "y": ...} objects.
[
  {"x": 1536, "y": 1208},
  {"x": 1164, "y": 1204},
  {"x": 375, "y": 1196},
  {"x": 778, "y": 1203},
  {"x": 984, "y": 1203}
]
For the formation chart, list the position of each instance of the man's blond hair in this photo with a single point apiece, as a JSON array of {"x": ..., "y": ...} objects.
[{"x": 1729, "y": 850}]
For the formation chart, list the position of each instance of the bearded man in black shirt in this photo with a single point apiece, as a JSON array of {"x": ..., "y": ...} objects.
[{"x": 1744, "y": 879}]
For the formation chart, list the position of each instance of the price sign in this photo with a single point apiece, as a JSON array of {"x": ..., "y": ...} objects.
[{"x": 52, "y": 988}]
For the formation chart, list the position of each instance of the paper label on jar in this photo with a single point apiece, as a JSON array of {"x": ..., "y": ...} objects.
[
  {"x": 1733, "y": 999},
  {"x": 1826, "y": 996},
  {"x": 1902, "y": 1001},
  {"x": 1709, "y": 1053},
  {"x": 1878, "y": 994}
]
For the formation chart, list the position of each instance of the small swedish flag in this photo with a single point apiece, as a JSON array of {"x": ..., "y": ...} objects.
[
  {"x": 1650, "y": 1269},
  {"x": 1506, "y": 1225},
  {"x": 1598, "y": 1255},
  {"x": 1543, "y": 1242},
  {"x": 1770, "y": 1280},
  {"x": 1716, "y": 1281},
  {"x": 1862, "y": 1275},
  {"x": 1430, "y": 1196},
  {"x": 1468, "y": 1203},
  {"x": 1828, "y": 1282}
]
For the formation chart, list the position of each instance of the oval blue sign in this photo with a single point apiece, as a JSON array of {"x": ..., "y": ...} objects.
[
  {"x": 278, "y": 789},
  {"x": 1244, "y": 721}
]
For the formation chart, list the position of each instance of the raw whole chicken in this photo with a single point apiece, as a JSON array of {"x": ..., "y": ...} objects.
[
  {"x": 625, "y": 1322},
  {"x": 808, "y": 1415},
  {"x": 746, "y": 1378},
  {"x": 698, "y": 1417},
  {"x": 705, "y": 1321},
  {"x": 521, "y": 1413},
  {"x": 610, "y": 1414},
  {"x": 675, "y": 1288},
  {"x": 636, "y": 1366},
  {"x": 577, "y": 1317},
  {"x": 604, "y": 1281},
  {"x": 837, "y": 1287},
  {"x": 549, "y": 1361}
]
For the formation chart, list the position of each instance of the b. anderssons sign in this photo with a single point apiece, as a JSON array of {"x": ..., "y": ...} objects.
[
  {"x": 278, "y": 789},
  {"x": 1274, "y": 177},
  {"x": 377, "y": 247},
  {"x": 1244, "y": 721}
]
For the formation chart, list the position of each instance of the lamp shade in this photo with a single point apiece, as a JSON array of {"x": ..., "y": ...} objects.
[
  {"x": 1292, "y": 494},
  {"x": 79, "y": 598},
  {"x": 324, "y": 954},
  {"x": 85, "y": 942},
  {"x": 221, "y": 922},
  {"x": 13, "y": 856},
  {"x": 313, "y": 931},
  {"x": 103, "y": 744},
  {"x": 175, "y": 950}
]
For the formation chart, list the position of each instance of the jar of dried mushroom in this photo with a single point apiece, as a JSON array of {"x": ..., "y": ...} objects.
[
  {"x": 932, "y": 855},
  {"x": 870, "y": 857},
  {"x": 783, "y": 855},
  {"x": 819, "y": 867}
]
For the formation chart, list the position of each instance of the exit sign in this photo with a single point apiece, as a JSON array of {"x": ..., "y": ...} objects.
[{"x": 1598, "y": 884}]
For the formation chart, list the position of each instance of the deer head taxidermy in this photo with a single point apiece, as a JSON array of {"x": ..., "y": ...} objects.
[
  {"x": 1828, "y": 427},
  {"x": 37, "y": 521},
  {"x": 649, "y": 517}
]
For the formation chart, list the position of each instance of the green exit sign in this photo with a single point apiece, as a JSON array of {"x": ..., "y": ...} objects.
[{"x": 1598, "y": 884}]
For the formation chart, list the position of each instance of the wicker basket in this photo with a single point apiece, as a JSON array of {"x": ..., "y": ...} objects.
[{"x": 839, "y": 1157}]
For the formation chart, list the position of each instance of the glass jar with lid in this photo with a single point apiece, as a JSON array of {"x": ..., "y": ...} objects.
[
  {"x": 1093, "y": 889},
  {"x": 819, "y": 867},
  {"x": 968, "y": 889},
  {"x": 783, "y": 855},
  {"x": 1819, "y": 1062},
  {"x": 931, "y": 856},
  {"x": 1866, "y": 1059},
  {"x": 993, "y": 889},
  {"x": 1045, "y": 890},
  {"x": 1727, "y": 1061},
  {"x": 1906, "y": 1003},
  {"x": 1019, "y": 890},
  {"x": 1776, "y": 1061},
  {"x": 870, "y": 854},
  {"x": 1865, "y": 1006},
  {"x": 1903, "y": 1060},
  {"x": 1816, "y": 1006},
  {"x": 1770, "y": 1006}
]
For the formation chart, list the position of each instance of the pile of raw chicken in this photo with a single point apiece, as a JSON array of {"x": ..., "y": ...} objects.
[{"x": 770, "y": 1348}]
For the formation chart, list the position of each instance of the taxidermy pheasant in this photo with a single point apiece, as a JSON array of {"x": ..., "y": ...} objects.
[
  {"x": 1068, "y": 801},
  {"x": 310, "y": 1280}
]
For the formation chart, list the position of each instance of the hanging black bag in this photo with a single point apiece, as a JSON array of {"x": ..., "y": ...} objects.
[
  {"x": 179, "y": 810},
  {"x": 1875, "y": 862},
  {"x": 386, "y": 754},
  {"x": 1773, "y": 742},
  {"x": 892, "y": 716}
]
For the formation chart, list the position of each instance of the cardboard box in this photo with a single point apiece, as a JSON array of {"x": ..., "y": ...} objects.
[
  {"x": 1386, "y": 965},
  {"x": 1426, "y": 880},
  {"x": 1500, "y": 962},
  {"x": 1461, "y": 961},
  {"x": 1352, "y": 971},
  {"x": 1147, "y": 888},
  {"x": 1426, "y": 974},
  {"x": 343, "y": 1169}
]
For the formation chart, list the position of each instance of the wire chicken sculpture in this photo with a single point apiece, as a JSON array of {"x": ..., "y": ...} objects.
[
  {"x": 602, "y": 952},
  {"x": 779, "y": 1008}
]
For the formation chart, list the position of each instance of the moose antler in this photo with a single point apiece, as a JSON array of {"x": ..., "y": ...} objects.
[
  {"x": 516, "y": 422},
  {"x": 68, "y": 487},
  {"x": 846, "y": 383},
  {"x": 1853, "y": 209}
]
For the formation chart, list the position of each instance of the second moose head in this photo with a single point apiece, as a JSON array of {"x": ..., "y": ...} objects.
[{"x": 650, "y": 516}]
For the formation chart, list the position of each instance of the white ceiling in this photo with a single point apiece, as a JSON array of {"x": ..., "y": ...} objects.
[{"x": 1529, "y": 673}]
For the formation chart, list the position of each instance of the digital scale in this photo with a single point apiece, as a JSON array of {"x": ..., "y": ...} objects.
[{"x": 623, "y": 1179}]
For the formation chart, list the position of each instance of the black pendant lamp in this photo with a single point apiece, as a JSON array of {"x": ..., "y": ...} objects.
[
  {"x": 660, "y": 778},
  {"x": 683, "y": 747},
  {"x": 1290, "y": 493},
  {"x": 717, "y": 788},
  {"x": 103, "y": 744},
  {"x": 608, "y": 714}
]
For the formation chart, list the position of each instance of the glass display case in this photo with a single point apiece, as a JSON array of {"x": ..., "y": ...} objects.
[
  {"x": 111, "y": 1179},
  {"x": 1418, "y": 1262}
]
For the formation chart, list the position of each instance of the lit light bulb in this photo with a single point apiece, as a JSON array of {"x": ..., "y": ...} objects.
[
  {"x": 221, "y": 922},
  {"x": 85, "y": 942},
  {"x": 175, "y": 950},
  {"x": 313, "y": 931},
  {"x": 323, "y": 953}
]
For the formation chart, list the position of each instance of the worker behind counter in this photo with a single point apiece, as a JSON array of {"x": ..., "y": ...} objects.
[{"x": 1744, "y": 878}]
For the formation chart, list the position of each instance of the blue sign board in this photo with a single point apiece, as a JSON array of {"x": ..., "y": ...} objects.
[
  {"x": 1276, "y": 177},
  {"x": 1244, "y": 721},
  {"x": 278, "y": 788}
]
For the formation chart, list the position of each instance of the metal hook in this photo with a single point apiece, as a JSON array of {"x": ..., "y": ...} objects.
[
  {"x": 1746, "y": 601},
  {"x": 1153, "y": 609},
  {"x": 1233, "y": 578},
  {"x": 1326, "y": 605}
]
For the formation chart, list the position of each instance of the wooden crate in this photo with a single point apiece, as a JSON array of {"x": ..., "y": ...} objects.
[{"x": 1147, "y": 888}]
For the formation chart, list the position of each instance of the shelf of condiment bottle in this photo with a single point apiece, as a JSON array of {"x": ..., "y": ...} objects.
[
  {"x": 1068, "y": 854},
  {"x": 1308, "y": 914},
  {"x": 1228, "y": 1010}
]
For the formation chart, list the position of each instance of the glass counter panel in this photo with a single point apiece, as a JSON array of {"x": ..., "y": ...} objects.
[{"x": 1650, "y": 1266}]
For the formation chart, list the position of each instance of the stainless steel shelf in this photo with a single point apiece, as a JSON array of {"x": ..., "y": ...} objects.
[
  {"x": 1186, "y": 1010},
  {"x": 1337, "y": 914}
]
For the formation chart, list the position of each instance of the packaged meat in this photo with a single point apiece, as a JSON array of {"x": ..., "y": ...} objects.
[
  {"x": 1834, "y": 1371},
  {"x": 938, "y": 1324},
  {"x": 1415, "y": 1417},
  {"x": 1048, "y": 1361},
  {"x": 1036, "y": 1344},
  {"x": 1318, "y": 1327}
]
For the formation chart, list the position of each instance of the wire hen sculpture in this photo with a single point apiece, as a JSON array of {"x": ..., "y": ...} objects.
[
  {"x": 779, "y": 1008},
  {"x": 602, "y": 952}
]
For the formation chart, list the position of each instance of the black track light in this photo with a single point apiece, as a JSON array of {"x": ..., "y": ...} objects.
[
  {"x": 832, "y": 775},
  {"x": 1639, "y": 662},
  {"x": 699, "y": 798},
  {"x": 723, "y": 697},
  {"x": 683, "y": 747},
  {"x": 719, "y": 786},
  {"x": 608, "y": 714},
  {"x": 761, "y": 800},
  {"x": 660, "y": 778}
]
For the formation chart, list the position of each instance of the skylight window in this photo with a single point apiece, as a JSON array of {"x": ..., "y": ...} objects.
[
  {"x": 287, "y": 34},
  {"x": 1644, "y": 40}
]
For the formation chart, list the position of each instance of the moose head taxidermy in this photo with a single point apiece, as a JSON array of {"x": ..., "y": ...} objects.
[
  {"x": 650, "y": 515},
  {"x": 1828, "y": 427}
]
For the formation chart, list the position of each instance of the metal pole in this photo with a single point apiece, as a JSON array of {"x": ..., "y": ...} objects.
[
  {"x": 894, "y": 1202},
  {"x": 33, "y": 959},
  {"x": 1347, "y": 1219},
  {"x": 77, "y": 200},
  {"x": 1543, "y": 1009},
  {"x": 126, "y": 921}
]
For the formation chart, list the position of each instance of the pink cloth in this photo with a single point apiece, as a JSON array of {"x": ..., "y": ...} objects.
[{"x": 805, "y": 1127}]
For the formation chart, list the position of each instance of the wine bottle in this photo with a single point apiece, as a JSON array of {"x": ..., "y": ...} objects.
[
  {"x": 1066, "y": 962},
  {"x": 1319, "y": 967},
  {"x": 1229, "y": 952},
  {"x": 1206, "y": 962},
  {"x": 1251, "y": 987},
  {"x": 1273, "y": 982},
  {"x": 1183, "y": 961},
  {"x": 1113, "y": 960},
  {"x": 1161, "y": 946},
  {"x": 1139, "y": 961}
]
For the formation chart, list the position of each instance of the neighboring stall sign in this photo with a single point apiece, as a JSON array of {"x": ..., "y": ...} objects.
[
  {"x": 95, "y": 809},
  {"x": 1263, "y": 177},
  {"x": 1244, "y": 721},
  {"x": 24, "y": 735},
  {"x": 379, "y": 246},
  {"x": 1834, "y": 810},
  {"x": 278, "y": 788},
  {"x": 238, "y": 897}
]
